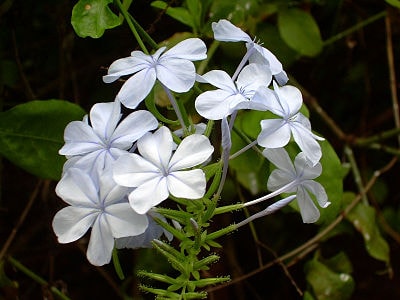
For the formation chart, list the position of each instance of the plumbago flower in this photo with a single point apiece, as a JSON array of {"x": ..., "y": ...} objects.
[
  {"x": 153, "y": 231},
  {"x": 298, "y": 179},
  {"x": 96, "y": 144},
  {"x": 225, "y": 31},
  {"x": 286, "y": 102},
  {"x": 231, "y": 96},
  {"x": 156, "y": 172},
  {"x": 99, "y": 203},
  {"x": 173, "y": 68}
]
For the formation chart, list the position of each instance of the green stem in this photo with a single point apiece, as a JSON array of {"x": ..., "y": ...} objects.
[
  {"x": 356, "y": 173},
  {"x": 360, "y": 142},
  {"x": 354, "y": 28},
  {"x": 126, "y": 15},
  {"x": 210, "y": 53},
  {"x": 144, "y": 34},
  {"x": 36, "y": 278},
  {"x": 117, "y": 265}
]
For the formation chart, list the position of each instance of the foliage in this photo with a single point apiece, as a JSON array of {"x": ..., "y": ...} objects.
[{"x": 310, "y": 36}]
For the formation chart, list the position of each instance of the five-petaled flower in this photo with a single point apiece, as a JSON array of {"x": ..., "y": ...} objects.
[
  {"x": 231, "y": 96},
  {"x": 298, "y": 178},
  {"x": 173, "y": 68},
  {"x": 99, "y": 203},
  {"x": 156, "y": 172},
  {"x": 227, "y": 32},
  {"x": 93, "y": 145},
  {"x": 286, "y": 102}
]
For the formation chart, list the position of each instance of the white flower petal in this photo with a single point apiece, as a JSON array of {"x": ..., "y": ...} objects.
[
  {"x": 157, "y": 147},
  {"x": 189, "y": 49},
  {"x": 309, "y": 212},
  {"x": 132, "y": 170},
  {"x": 133, "y": 127},
  {"x": 153, "y": 231},
  {"x": 219, "y": 79},
  {"x": 192, "y": 151},
  {"x": 304, "y": 138},
  {"x": 187, "y": 184},
  {"x": 275, "y": 133},
  {"x": 304, "y": 167},
  {"x": 252, "y": 77},
  {"x": 262, "y": 55},
  {"x": 278, "y": 179},
  {"x": 176, "y": 74},
  {"x": 80, "y": 139},
  {"x": 214, "y": 105},
  {"x": 148, "y": 195},
  {"x": 104, "y": 118},
  {"x": 126, "y": 66},
  {"x": 290, "y": 98},
  {"x": 71, "y": 223},
  {"x": 124, "y": 221},
  {"x": 137, "y": 87},
  {"x": 318, "y": 190},
  {"x": 268, "y": 98},
  {"x": 227, "y": 32},
  {"x": 77, "y": 188},
  {"x": 101, "y": 243},
  {"x": 280, "y": 158}
]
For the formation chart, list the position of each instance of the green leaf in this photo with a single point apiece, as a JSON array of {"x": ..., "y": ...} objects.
[
  {"x": 332, "y": 180},
  {"x": 363, "y": 218},
  {"x": 328, "y": 284},
  {"x": 180, "y": 14},
  {"x": 395, "y": 3},
  {"x": 300, "y": 31},
  {"x": 250, "y": 167},
  {"x": 32, "y": 133},
  {"x": 92, "y": 17}
]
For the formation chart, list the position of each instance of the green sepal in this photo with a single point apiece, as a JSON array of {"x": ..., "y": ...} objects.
[
  {"x": 211, "y": 281},
  {"x": 158, "y": 277},
  {"x": 201, "y": 264},
  {"x": 172, "y": 255},
  {"x": 161, "y": 292},
  {"x": 175, "y": 232}
]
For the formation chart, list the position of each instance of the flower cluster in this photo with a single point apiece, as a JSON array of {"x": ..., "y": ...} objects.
[{"x": 121, "y": 167}]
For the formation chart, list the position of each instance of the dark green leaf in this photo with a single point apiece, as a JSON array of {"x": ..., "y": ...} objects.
[
  {"x": 395, "y": 3},
  {"x": 363, "y": 218},
  {"x": 300, "y": 31},
  {"x": 327, "y": 284},
  {"x": 32, "y": 133},
  {"x": 93, "y": 17},
  {"x": 180, "y": 14}
]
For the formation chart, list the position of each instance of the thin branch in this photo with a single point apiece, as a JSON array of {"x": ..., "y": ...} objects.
[
  {"x": 392, "y": 73},
  {"x": 21, "y": 219}
]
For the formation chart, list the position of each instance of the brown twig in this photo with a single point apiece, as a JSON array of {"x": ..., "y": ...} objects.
[
  {"x": 392, "y": 73},
  {"x": 21, "y": 219}
]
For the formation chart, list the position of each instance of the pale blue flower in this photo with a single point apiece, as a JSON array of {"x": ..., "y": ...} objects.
[
  {"x": 153, "y": 231},
  {"x": 225, "y": 31},
  {"x": 157, "y": 172},
  {"x": 231, "y": 96},
  {"x": 173, "y": 68},
  {"x": 97, "y": 203},
  {"x": 93, "y": 145},
  {"x": 297, "y": 178},
  {"x": 286, "y": 102}
]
